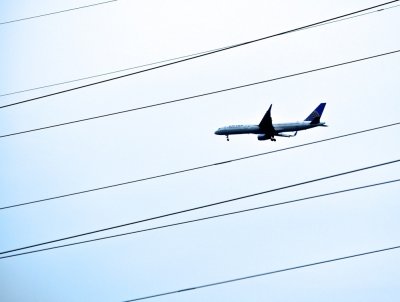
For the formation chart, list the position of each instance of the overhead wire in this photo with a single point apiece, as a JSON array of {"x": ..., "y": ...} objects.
[
  {"x": 204, "y": 218},
  {"x": 57, "y": 12},
  {"x": 202, "y": 206},
  {"x": 264, "y": 274},
  {"x": 226, "y": 214},
  {"x": 198, "y": 95},
  {"x": 173, "y": 59},
  {"x": 361, "y": 15},
  {"x": 104, "y": 74},
  {"x": 194, "y": 168},
  {"x": 200, "y": 55}
]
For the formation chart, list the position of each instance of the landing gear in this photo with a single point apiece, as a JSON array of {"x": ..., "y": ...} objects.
[
  {"x": 273, "y": 139},
  {"x": 227, "y": 138}
]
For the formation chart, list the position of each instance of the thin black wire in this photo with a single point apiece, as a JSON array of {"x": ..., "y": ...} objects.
[
  {"x": 194, "y": 168},
  {"x": 203, "y": 206},
  {"x": 360, "y": 15},
  {"x": 57, "y": 12},
  {"x": 104, "y": 74},
  {"x": 265, "y": 274},
  {"x": 203, "y": 219},
  {"x": 197, "y": 96},
  {"x": 169, "y": 60},
  {"x": 200, "y": 55}
]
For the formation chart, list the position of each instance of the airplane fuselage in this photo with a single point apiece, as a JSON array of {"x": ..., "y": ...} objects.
[{"x": 255, "y": 129}]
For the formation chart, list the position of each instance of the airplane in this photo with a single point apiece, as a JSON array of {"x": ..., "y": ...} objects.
[{"x": 267, "y": 131}]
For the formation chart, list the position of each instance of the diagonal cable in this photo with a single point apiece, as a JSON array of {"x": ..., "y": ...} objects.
[
  {"x": 203, "y": 206},
  {"x": 57, "y": 12},
  {"x": 203, "y": 219},
  {"x": 198, "y": 95},
  {"x": 172, "y": 59},
  {"x": 201, "y": 55},
  {"x": 194, "y": 168},
  {"x": 265, "y": 274}
]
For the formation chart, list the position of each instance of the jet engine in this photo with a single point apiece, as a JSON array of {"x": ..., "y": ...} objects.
[{"x": 263, "y": 137}]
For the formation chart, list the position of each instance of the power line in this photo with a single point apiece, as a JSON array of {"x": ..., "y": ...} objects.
[
  {"x": 194, "y": 168},
  {"x": 104, "y": 74},
  {"x": 169, "y": 60},
  {"x": 203, "y": 219},
  {"x": 57, "y": 12},
  {"x": 203, "y": 206},
  {"x": 200, "y": 55},
  {"x": 198, "y": 95},
  {"x": 264, "y": 274},
  {"x": 360, "y": 15}
]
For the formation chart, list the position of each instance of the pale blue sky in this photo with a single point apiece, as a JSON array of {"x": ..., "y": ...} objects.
[{"x": 178, "y": 136}]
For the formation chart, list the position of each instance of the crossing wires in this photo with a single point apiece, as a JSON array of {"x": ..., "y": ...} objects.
[
  {"x": 203, "y": 218},
  {"x": 199, "y": 95},
  {"x": 201, "y": 54},
  {"x": 205, "y": 206},
  {"x": 380, "y": 9}
]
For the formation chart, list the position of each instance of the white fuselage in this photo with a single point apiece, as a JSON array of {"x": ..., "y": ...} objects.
[{"x": 255, "y": 129}]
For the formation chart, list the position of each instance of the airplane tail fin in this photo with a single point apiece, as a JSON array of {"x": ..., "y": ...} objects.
[{"x": 315, "y": 116}]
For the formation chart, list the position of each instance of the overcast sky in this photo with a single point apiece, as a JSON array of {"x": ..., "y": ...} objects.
[{"x": 167, "y": 138}]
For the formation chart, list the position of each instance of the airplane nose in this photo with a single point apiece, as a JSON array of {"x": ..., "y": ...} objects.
[{"x": 217, "y": 132}]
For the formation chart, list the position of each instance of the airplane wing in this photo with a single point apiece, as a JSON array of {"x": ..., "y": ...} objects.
[{"x": 266, "y": 123}]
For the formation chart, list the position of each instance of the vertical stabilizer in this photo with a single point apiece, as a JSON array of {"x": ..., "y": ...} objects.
[{"x": 315, "y": 116}]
